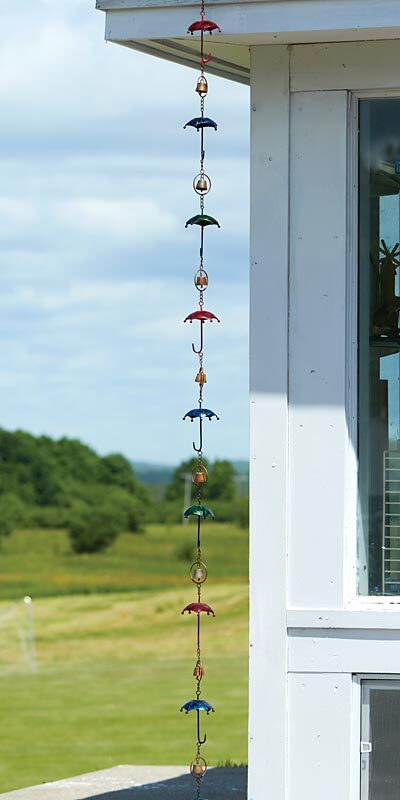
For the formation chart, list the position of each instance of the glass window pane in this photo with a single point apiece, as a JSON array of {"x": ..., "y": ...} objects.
[
  {"x": 379, "y": 346},
  {"x": 383, "y": 773}
]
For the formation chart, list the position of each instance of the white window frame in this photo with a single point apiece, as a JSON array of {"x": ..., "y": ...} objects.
[
  {"x": 356, "y": 600},
  {"x": 360, "y": 69}
]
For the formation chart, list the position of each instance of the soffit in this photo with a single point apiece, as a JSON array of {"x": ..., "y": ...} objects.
[{"x": 156, "y": 26}]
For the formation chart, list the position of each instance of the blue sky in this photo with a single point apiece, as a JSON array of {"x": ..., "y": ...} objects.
[{"x": 96, "y": 265}]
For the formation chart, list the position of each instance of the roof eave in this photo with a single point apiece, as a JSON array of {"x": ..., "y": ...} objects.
[{"x": 158, "y": 27}]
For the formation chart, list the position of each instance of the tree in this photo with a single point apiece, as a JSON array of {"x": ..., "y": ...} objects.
[
  {"x": 242, "y": 512},
  {"x": 129, "y": 508},
  {"x": 221, "y": 485},
  {"x": 12, "y": 513},
  {"x": 50, "y": 476},
  {"x": 93, "y": 528},
  {"x": 175, "y": 490}
]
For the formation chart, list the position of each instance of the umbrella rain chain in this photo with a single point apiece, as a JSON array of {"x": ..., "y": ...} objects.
[{"x": 198, "y": 570}]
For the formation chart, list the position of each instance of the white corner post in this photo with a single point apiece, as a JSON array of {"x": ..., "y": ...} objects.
[{"x": 268, "y": 420}]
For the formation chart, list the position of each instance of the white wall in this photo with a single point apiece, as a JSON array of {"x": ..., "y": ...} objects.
[
  {"x": 320, "y": 749},
  {"x": 312, "y": 638},
  {"x": 268, "y": 446},
  {"x": 318, "y": 435}
]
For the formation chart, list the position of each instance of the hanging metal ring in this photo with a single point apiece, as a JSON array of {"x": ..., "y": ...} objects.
[
  {"x": 198, "y": 767},
  {"x": 200, "y": 279}
]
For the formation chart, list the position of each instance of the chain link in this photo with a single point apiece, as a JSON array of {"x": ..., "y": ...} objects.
[{"x": 201, "y": 186}]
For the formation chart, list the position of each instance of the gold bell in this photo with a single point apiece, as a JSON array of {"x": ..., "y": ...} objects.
[
  {"x": 199, "y": 672},
  {"x": 198, "y": 767},
  {"x": 201, "y": 184},
  {"x": 199, "y": 474},
  {"x": 201, "y": 279},
  {"x": 198, "y": 572},
  {"x": 202, "y": 86},
  {"x": 198, "y": 770},
  {"x": 201, "y": 377}
]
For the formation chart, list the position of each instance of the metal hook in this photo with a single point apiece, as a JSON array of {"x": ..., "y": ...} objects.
[
  {"x": 199, "y": 449},
  {"x": 199, "y": 739},
  {"x": 199, "y": 352}
]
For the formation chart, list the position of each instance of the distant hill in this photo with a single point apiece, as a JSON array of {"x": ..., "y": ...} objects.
[
  {"x": 161, "y": 475},
  {"x": 241, "y": 467},
  {"x": 152, "y": 473}
]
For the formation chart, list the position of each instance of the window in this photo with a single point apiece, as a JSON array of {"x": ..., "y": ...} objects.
[
  {"x": 379, "y": 347},
  {"x": 380, "y": 724}
]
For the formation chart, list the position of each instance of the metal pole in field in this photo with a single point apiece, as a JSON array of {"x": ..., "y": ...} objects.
[{"x": 31, "y": 634}]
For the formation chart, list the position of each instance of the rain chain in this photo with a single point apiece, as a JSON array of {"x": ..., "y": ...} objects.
[{"x": 198, "y": 570}]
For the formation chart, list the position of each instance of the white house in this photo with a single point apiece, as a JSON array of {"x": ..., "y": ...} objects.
[{"x": 325, "y": 368}]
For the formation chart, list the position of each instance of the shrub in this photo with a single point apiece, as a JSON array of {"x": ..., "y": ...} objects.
[
  {"x": 131, "y": 510},
  {"x": 93, "y": 529},
  {"x": 224, "y": 511},
  {"x": 12, "y": 513},
  {"x": 50, "y": 517},
  {"x": 185, "y": 550},
  {"x": 242, "y": 512},
  {"x": 170, "y": 513}
]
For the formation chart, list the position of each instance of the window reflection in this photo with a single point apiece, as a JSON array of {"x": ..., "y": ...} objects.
[{"x": 379, "y": 346}]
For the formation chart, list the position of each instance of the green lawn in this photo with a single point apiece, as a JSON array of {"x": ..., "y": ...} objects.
[
  {"x": 40, "y": 563},
  {"x": 115, "y": 656}
]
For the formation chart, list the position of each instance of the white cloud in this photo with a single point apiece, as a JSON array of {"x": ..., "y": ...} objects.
[
  {"x": 95, "y": 265},
  {"x": 133, "y": 219}
]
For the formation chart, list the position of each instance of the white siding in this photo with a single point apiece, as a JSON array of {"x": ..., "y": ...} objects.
[
  {"x": 320, "y": 737},
  {"x": 317, "y": 346},
  {"x": 268, "y": 412}
]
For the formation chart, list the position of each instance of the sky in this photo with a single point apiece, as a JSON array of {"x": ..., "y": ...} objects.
[{"x": 96, "y": 266}]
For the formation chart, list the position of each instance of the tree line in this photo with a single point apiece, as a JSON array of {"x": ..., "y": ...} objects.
[{"x": 47, "y": 483}]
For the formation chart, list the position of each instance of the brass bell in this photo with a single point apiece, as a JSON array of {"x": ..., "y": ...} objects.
[
  {"x": 198, "y": 767},
  {"x": 201, "y": 377},
  {"x": 198, "y": 672},
  {"x": 198, "y": 770},
  {"x": 202, "y": 86},
  {"x": 199, "y": 474},
  {"x": 201, "y": 279},
  {"x": 198, "y": 572},
  {"x": 201, "y": 185}
]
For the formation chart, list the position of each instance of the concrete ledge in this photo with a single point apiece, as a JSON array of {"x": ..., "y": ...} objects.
[{"x": 140, "y": 783}]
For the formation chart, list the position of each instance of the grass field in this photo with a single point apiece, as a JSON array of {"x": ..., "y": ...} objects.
[
  {"x": 40, "y": 563},
  {"x": 115, "y": 657}
]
